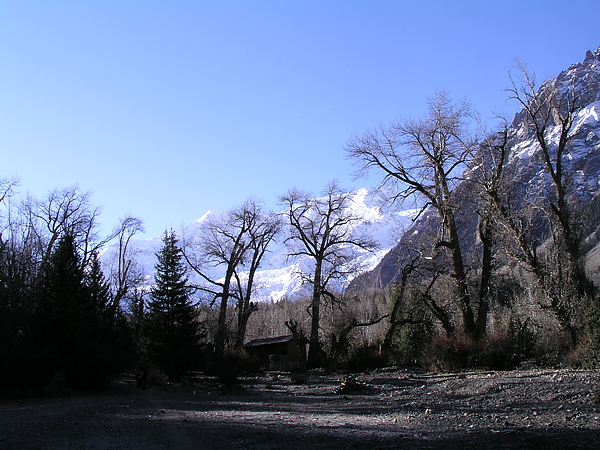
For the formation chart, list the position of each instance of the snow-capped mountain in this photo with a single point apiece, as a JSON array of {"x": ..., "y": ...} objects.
[{"x": 279, "y": 275}]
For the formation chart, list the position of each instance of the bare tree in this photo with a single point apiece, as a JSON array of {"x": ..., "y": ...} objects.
[
  {"x": 322, "y": 229},
  {"x": 124, "y": 275},
  {"x": 229, "y": 242},
  {"x": 300, "y": 340},
  {"x": 264, "y": 228},
  {"x": 490, "y": 197},
  {"x": 399, "y": 289},
  {"x": 426, "y": 158},
  {"x": 340, "y": 342},
  {"x": 7, "y": 186},
  {"x": 61, "y": 212},
  {"x": 551, "y": 112}
]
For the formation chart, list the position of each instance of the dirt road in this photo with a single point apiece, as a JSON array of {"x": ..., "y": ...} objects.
[{"x": 391, "y": 409}]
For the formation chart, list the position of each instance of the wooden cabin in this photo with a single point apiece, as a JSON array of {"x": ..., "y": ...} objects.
[{"x": 278, "y": 353}]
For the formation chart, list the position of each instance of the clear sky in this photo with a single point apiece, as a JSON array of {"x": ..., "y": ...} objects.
[{"x": 166, "y": 109}]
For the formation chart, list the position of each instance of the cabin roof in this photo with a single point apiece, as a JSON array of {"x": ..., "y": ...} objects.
[{"x": 269, "y": 341}]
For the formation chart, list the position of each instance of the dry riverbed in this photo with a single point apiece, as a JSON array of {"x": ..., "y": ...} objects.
[{"x": 387, "y": 409}]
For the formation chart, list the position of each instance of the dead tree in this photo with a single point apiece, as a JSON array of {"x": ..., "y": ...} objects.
[
  {"x": 550, "y": 112},
  {"x": 340, "y": 343},
  {"x": 124, "y": 275},
  {"x": 300, "y": 340},
  {"x": 426, "y": 158},
  {"x": 229, "y": 242},
  {"x": 62, "y": 212},
  {"x": 399, "y": 298},
  {"x": 263, "y": 229},
  {"x": 323, "y": 230}
]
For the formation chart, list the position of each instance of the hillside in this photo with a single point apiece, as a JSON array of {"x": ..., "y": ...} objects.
[{"x": 529, "y": 181}]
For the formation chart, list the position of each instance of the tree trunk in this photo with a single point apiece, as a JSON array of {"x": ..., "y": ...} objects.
[
  {"x": 485, "y": 234},
  {"x": 314, "y": 349},
  {"x": 461, "y": 277},
  {"x": 221, "y": 336}
]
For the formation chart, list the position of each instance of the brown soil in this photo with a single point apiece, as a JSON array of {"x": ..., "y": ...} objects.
[{"x": 388, "y": 409}]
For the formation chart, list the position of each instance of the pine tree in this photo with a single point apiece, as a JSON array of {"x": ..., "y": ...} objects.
[
  {"x": 171, "y": 324},
  {"x": 15, "y": 312},
  {"x": 57, "y": 329},
  {"x": 72, "y": 333},
  {"x": 112, "y": 342}
]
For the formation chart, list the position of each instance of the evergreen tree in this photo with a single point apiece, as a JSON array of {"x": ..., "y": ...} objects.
[
  {"x": 112, "y": 343},
  {"x": 71, "y": 333},
  {"x": 98, "y": 289},
  {"x": 57, "y": 327},
  {"x": 15, "y": 312},
  {"x": 171, "y": 324}
]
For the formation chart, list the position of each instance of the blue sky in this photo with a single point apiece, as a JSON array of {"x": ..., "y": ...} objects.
[{"x": 165, "y": 109}]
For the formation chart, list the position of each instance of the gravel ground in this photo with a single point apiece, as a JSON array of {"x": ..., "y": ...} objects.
[{"x": 387, "y": 409}]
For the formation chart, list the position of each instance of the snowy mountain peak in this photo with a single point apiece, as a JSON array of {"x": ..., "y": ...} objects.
[
  {"x": 204, "y": 217},
  {"x": 279, "y": 276},
  {"x": 592, "y": 59}
]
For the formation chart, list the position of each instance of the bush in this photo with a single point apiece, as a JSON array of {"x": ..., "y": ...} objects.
[
  {"x": 497, "y": 352},
  {"x": 586, "y": 354},
  {"x": 409, "y": 343},
  {"x": 299, "y": 376},
  {"x": 364, "y": 359},
  {"x": 157, "y": 377},
  {"x": 524, "y": 336},
  {"x": 448, "y": 354},
  {"x": 456, "y": 353},
  {"x": 552, "y": 348},
  {"x": 232, "y": 364}
]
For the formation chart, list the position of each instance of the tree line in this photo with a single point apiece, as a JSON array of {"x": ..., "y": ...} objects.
[{"x": 60, "y": 319}]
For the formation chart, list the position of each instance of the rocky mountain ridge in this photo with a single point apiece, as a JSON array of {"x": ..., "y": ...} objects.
[{"x": 530, "y": 180}]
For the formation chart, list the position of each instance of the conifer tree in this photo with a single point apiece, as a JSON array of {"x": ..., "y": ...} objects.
[
  {"x": 171, "y": 324},
  {"x": 70, "y": 332},
  {"x": 99, "y": 290},
  {"x": 15, "y": 311},
  {"x": 112, "y": 343}
]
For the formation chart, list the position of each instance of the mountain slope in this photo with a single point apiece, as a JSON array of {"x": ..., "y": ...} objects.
[{"x": 529, "y": 178}]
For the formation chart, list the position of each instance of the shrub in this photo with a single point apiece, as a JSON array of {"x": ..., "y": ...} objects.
[
  {"x": 596, "y": 394},
  {"x": 497, "y": 352},
  {"x": 552, "y": 348},
  {"x": 448, "y": 353},
  {"x": 157, "y": 377},
  {"x": 586, "y": 354},
  {"x": 524, "y": 336},
  {"x": 232, "y": 364},
  {"x": 299, "y": 376},
  {"x": 366, "y": 358},
  {"x": 455, "y": 353},
  {"x": 409, "y": 343}
]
